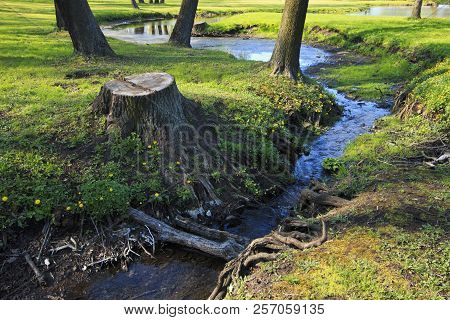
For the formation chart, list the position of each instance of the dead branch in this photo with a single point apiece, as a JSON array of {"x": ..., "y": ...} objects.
[{"x": 227, "y": 249}]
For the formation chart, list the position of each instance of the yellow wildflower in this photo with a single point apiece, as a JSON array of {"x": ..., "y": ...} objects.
[
  {"x": 4, "y": 198},
  {"x": 37, "y": 202},
  {"x": 68, "y": 208},
  {"x": 156, "y": 195},
  {"x": 110, "y": 189},
  {"x": 80, "y": 204}
]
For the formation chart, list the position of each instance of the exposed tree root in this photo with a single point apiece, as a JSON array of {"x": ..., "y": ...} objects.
[{"x": 261, "y": 250}]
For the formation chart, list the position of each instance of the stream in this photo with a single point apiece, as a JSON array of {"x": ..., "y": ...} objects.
[{"x": 177, "y": 273}]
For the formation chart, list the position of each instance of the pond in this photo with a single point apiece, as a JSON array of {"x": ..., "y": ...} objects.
[
  {"x": 442, "y": 11},
  {"x": 180, "y": 274}
]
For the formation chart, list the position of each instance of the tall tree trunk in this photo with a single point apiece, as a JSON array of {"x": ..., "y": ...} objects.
[
  {"x": 286, "y": 55},
  {"x": 86, "y": 35},
  {"x": 134, "y": 3},
  {"x": 181, "y": 34},
  {"x": 59, "y": 19},
  {"x": 417, "y": 9}
]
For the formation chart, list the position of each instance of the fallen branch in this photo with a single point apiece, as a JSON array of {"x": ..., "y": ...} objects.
[
  {"x": 227, "y": 249},
  {"x": 36, "y": 271},
  {"x": 212, "y": 234}
]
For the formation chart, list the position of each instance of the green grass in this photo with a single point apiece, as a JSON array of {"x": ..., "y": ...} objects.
[
  {"x": 407, "y": 36},
  {"x": 52, "y": 147},
  {"x": 370, "y": 81},
  {"x": 362, "y": 263}
]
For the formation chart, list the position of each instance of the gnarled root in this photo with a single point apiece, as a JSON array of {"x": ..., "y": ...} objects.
[{"x": 261, "y": 250}]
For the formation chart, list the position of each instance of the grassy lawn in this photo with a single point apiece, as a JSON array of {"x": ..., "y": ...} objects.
[
  {"x": 390, "y": 242},
  {"x": 52, "y": 147}
]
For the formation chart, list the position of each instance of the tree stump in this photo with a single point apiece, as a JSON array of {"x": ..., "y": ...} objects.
[{"x": 149, "y": 104}]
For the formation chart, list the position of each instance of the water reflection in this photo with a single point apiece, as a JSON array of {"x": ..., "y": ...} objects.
[
  {"x": 441, "y": 11},
  {"x": 151, "y": 31}
]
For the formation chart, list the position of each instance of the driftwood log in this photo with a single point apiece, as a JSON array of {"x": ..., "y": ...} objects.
[{"x": 224, "y": 245}]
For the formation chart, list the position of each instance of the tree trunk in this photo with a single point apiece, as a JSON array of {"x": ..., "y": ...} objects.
[
  {"x": 59, "y": 19},
  {"x": 141, "y": 1},
  {"x": 181, "y": 34},
  {"x": 86, "y": 35},
  {"x": 227, "y": 249},
  {"x": 134, "y": 3},
  {"x": 417, "y": 9},
  {"x": 286, "y": 55}
]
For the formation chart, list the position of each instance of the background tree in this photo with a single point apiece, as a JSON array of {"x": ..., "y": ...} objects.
[
  {"x": 87, "y": 37},
  {"x": 59, "y": 19},
  {"x": 134, "y": 3},
  {"x": 417, "y": 9},
  {"x": 286, "y": 55},
  {"x": 181, "y": 34}
]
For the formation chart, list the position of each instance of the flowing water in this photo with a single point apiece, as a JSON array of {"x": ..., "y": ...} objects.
[{"x": 180, "y": 274}]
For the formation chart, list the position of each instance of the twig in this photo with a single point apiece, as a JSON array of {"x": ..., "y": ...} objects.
[{"x": 36, "y": 271}]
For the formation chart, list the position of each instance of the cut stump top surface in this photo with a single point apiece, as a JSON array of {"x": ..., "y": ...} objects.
[{"x": 141, "y": 84}]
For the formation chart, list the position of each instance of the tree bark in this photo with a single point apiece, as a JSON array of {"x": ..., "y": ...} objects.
[
  {"x": 181, "y": 34},
  {"x": 286, "y": 55},
  {"x": 227, "y": 250},
  {"x": 59, "y": 19},
  {"x": 417, "y": 9},
  {"x": 134, "y": 3},
  {"x": 86, "y": 35}
]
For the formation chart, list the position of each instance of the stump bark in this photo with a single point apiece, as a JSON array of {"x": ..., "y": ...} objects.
[{"x": 149, "y": 104}]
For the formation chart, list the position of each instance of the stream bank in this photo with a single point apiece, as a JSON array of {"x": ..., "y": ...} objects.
[{"x": 358, "y": 118}]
